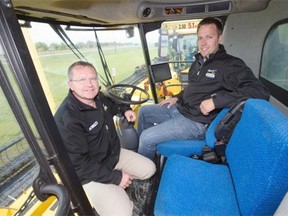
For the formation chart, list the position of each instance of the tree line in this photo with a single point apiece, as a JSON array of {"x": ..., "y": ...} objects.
[{"x": 43, "y": 47}]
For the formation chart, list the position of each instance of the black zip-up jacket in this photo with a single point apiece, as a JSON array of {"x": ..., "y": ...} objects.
[
  {"x": 90, "y": 137},
  {"x": 223, "y": 77}
]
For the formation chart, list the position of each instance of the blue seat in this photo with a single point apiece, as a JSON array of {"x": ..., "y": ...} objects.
[
  {"x": 190, "y": 147},
  {"x": 253, "y": 183}
]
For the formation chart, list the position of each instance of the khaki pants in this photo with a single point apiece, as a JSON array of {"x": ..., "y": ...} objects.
[{"x": 112, "y": 200}]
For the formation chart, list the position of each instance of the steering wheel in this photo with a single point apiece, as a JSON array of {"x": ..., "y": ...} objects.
[{"x": 124, "y": 93}]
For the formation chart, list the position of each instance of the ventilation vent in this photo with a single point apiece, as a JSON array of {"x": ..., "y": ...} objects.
[
  {"x": 195, "y": 9},
  {"x": 158, "y": 10},
  {"x": 222, "y": 6}
]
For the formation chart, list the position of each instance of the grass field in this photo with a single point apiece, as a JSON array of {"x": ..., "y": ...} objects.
[{"x": 123, "y": 59}]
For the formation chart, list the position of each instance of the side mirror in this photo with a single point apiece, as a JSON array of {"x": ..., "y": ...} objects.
[{"x": 130, "y": 32}]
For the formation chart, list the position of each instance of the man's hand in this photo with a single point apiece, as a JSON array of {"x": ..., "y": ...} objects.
[
  {"x": 130, "y": 115},
  {"x": 126, "y": 180},
  {"x": 170, "y": 101},
  {"x": 207, "y": 106}
]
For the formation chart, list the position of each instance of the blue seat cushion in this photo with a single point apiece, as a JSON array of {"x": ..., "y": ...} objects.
[
  {"x": 181, "y": 147},
  {"x": 190, "y": 147},
  {"x": 188, "y": 188}
]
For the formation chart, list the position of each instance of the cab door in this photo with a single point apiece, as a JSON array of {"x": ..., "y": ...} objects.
[{"x": 26, "y": 118}]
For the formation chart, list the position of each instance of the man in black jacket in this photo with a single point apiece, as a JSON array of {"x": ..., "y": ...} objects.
[
  {"x": 85, "y": 121},
  {"x": 216, "y": 80}
]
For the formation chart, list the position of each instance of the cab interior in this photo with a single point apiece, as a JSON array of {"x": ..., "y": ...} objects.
[{"x": 255, "y": 31}]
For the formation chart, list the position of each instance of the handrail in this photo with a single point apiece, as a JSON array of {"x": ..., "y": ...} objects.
[
  {"x": 43, "y": 189},
  {"x": 62, "y": 195}
]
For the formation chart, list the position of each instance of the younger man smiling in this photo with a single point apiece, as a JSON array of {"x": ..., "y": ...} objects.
[{"x": 216, "y": 80}]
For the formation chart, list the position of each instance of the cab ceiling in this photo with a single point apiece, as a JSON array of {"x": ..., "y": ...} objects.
[{"x": 116, "y": 12}]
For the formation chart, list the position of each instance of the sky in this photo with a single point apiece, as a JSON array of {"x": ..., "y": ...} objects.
[{"x": 44, "y": 33}]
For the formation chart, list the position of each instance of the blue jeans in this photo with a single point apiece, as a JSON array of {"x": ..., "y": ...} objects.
[{"x": 159, "y": 124}]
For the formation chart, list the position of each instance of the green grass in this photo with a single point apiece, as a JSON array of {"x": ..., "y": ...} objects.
[
  {"x": 9, "y": 128},
  {"x": 124, "y": 60}
]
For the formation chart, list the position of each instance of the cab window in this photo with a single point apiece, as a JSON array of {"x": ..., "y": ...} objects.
[{"x": 274, "y": 67}]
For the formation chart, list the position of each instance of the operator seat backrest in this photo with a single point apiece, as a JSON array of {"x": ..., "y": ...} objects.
[
  {"x": 191, "y": 147},
  {"x": 257, "y": 155}
]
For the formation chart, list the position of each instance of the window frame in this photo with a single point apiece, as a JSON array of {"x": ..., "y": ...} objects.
[{"x": 276, "y": 91}]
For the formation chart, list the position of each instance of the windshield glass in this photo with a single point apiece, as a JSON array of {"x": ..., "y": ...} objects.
[{"x": 116, "y": 54}]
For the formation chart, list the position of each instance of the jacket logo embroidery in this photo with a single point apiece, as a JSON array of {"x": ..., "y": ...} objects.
[
  {"x": 105, "y": 108},
  {"x": 211, "y": 73},
  {"x": 93, "y": 125}
]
